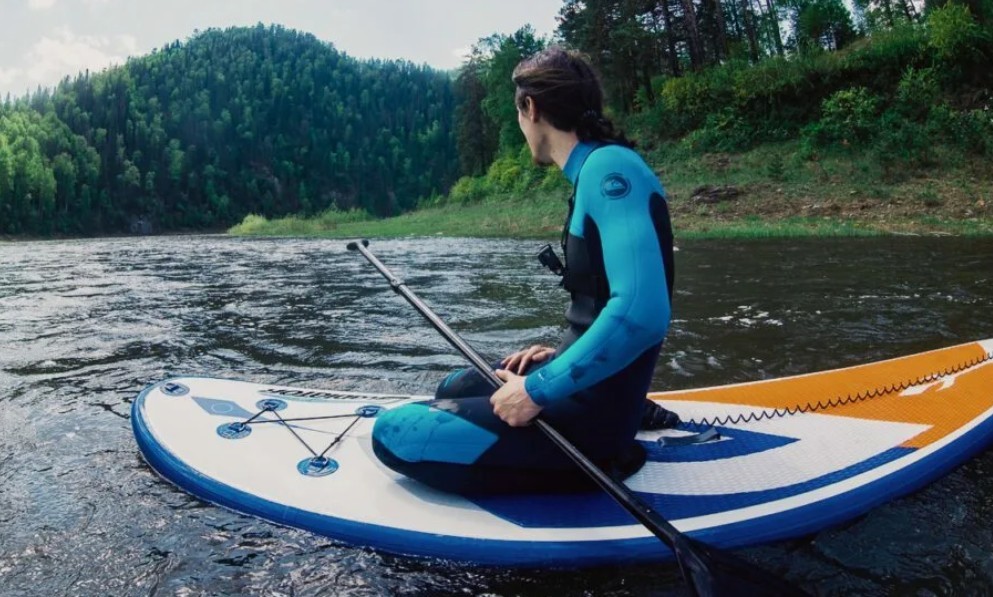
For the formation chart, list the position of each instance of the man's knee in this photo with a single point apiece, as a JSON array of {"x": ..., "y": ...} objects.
[{"x": 454, "y": 386}]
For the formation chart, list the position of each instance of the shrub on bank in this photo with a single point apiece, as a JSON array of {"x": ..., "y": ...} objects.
[
  {"x": 514, "y": 175},
  {"x": 903, "y": 130},
  {"x": 331, "y": 219},
  {"x": 849, "y": 116},
  {"x": 736, "y": 105},
  {"x": 467, "y": 189},
  {"x": 955, "y": 36}
]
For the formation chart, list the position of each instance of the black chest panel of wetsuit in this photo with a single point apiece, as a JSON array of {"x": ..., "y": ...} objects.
[{"x": 585, "y": 276}]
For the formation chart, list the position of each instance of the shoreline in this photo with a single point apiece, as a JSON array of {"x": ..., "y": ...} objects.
[
  {"x": 490, "y": 220},
  {"x": 768, "y": 192},
  {"x": 6, "y": 238},
  {"x": 710, "y": 196},
  {"x": 543, "y": 218}
]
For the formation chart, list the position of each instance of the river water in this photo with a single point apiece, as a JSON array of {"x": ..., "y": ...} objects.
[{"x": 85, "y": 325}]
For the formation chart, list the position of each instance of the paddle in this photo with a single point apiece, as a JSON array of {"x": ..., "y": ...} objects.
[{"x": 706, "y": 570}]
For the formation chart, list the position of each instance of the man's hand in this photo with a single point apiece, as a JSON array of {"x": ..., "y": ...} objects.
[
  {"x": 511, "y": 402},
  {"x": 522, "y": 359}
]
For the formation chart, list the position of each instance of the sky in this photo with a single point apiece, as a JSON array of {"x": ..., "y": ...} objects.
[{"x": 42, "y": 41}]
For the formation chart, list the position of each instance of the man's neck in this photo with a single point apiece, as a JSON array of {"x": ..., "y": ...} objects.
[{"x": 560, "y": 146}]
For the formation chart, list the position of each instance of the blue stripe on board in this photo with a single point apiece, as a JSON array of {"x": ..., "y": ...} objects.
[{"x": 599, "y": 510}]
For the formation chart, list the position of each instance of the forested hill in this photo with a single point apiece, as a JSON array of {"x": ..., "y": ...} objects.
[{"x": 198, "y": 134}]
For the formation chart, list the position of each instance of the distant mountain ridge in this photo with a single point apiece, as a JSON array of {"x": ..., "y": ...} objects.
[{"x": 200, "y": 133}]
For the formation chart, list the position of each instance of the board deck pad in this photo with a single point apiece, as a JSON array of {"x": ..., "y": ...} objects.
[{"x": 792, "y": 456}]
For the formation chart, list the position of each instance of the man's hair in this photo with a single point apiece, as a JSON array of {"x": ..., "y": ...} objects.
[{"x": 567, "y": 93}]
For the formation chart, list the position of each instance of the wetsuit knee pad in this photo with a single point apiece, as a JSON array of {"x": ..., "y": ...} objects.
[
  {"x": 463, "y": 383},
  {"x": 431, "y": 431},
  {"x": 461, "y": 446}
]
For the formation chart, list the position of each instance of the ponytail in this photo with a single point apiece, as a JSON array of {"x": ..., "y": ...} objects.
[
  {"x": 594, "y": 126},
  {"x": 567, "y": 92}
]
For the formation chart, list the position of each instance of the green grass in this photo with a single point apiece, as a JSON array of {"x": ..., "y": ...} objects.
[
  {"x": 753, "y": 227},
  {"x": 782, "y": 195},
  {"x": 542, "y": 218},
  {"x": 538, "y": 217}
]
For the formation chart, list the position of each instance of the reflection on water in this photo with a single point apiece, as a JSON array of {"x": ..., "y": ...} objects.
[{"x": 84, "y": 325}]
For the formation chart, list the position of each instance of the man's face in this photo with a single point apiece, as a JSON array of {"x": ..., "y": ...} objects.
[{"x": 534, "y": 132}]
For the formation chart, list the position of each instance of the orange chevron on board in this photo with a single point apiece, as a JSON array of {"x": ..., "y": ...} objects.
[{"x": 946, "y": 403}]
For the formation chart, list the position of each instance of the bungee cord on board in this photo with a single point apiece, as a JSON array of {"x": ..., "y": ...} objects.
[
  {"x": 820, "y": 405},
  {"x": 274, "y": 406}
]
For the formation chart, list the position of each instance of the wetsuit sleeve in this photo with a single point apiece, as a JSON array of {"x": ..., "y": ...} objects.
[{"x": 636, "y": 316}]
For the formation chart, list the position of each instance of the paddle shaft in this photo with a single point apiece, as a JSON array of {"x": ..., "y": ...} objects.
[{"x": 645, "y": 514}]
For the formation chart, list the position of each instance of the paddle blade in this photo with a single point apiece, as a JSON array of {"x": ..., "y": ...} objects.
[{"x": 714, "y": 573}]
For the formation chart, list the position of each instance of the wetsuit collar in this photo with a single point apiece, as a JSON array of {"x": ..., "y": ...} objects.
[{"x": 576, "y": 160}]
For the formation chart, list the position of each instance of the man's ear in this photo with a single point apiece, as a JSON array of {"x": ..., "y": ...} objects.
[{"x": 530, "y": 109}]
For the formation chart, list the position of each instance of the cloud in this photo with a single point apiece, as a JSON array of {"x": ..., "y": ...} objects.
[
  {"x": 65, "y": 53},
  {"x": 9, "y": 75},
  {"x": 128, "y": 43},
  {"x": 46, "y": 4}
]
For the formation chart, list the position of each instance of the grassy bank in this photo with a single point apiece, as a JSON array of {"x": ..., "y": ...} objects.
[{"x": 765, "y": 192}]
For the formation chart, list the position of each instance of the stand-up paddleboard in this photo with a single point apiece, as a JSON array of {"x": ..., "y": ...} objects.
[{"x": 789, "y": 457}]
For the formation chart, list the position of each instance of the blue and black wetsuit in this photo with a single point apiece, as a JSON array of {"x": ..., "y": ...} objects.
[{"x": 619, "y": 273}]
